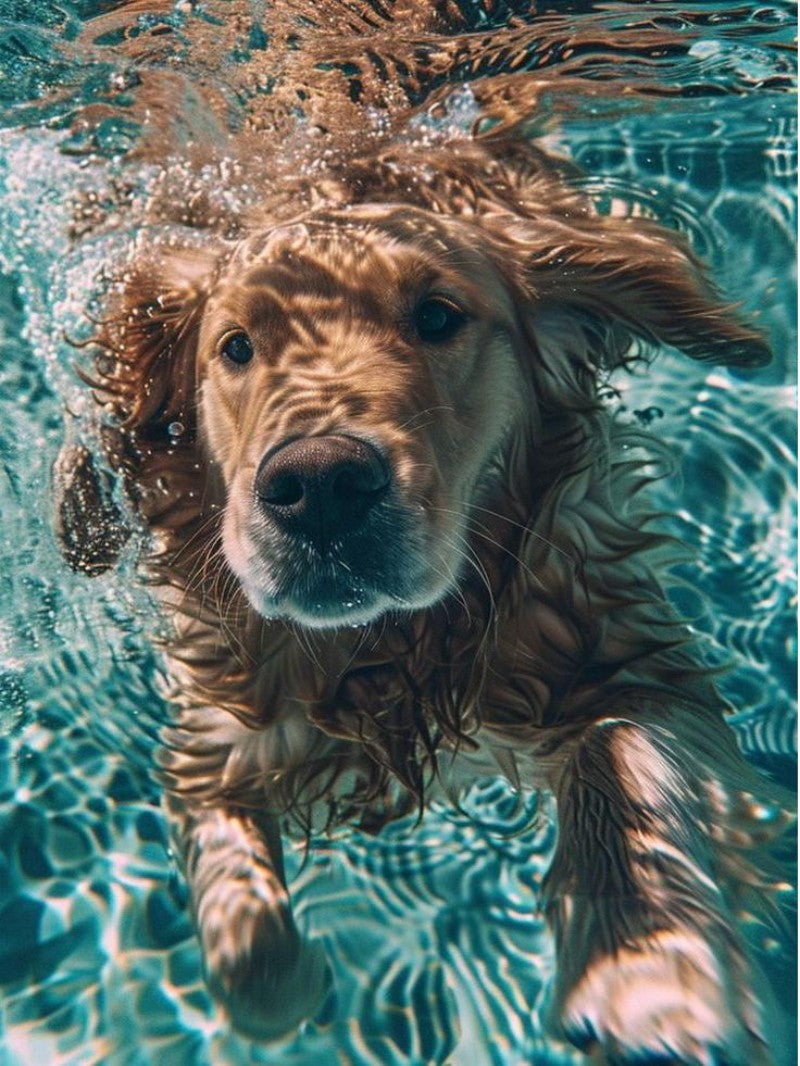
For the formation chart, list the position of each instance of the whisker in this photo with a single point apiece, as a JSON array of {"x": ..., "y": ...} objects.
[
  {"x": 426, "y": 411},
  {"x": 302, "y": 637},
  {"x": 473, "y": 559},
  {"x": 481, "y": 531},
  {"x": 527, "y": 528},
  {"x": 203, "y": 528},
  {"x": 514, "y": 556}
]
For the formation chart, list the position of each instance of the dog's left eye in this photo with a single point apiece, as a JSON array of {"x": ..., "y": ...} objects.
[
  {"x": 437, "y": 320},
  {"x": 238, "y": 348}
]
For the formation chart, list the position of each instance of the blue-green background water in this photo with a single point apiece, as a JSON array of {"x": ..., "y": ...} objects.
[{"x": 437, "y": 945}]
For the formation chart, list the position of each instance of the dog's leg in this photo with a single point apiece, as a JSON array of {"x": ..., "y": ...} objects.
[
  {"x": 649, "y": 961},
  {"x": 257, "y": 966}
]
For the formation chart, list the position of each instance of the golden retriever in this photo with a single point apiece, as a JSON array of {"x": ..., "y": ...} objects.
[{"x": 402, "y": 540}]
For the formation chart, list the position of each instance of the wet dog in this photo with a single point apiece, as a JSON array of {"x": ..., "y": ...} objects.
[{"x": 401, "y": 539}]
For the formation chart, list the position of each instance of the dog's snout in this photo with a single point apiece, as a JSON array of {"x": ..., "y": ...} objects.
[{"x": 322, "y": 487}]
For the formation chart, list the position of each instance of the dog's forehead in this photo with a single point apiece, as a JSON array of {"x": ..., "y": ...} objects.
[
  {"x": 360, "y": 241},
  {"x": 375, "y": 259}
]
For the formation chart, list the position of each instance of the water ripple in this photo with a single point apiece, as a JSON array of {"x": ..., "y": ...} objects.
[{"x": 435, "y": 934}]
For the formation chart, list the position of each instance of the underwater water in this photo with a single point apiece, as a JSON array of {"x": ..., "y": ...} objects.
[{"x": 439, "y": 950}]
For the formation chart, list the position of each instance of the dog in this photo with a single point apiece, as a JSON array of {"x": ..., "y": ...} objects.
[{"x": 401, "y": 540}]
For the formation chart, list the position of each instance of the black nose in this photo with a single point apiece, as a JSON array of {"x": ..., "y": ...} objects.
[{"x": 322, "y": 487}]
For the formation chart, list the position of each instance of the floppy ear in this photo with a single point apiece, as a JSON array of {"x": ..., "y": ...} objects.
[
  {"x": 89, "y": 527},
  {"x": 144, "y": 373},
  {"x": 145, "y": 370},
  {"x": 609, "y": 280}
]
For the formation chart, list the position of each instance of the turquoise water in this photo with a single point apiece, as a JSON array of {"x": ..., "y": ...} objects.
[{"x": 438, "y": 949}]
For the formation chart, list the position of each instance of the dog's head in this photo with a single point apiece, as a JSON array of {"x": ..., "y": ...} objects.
[
  {"x": 357, "y": 375},
  {"x": 361, "y": 377}
]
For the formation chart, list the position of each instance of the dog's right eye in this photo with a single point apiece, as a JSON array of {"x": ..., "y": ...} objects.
[{"x": 238, "y": 348}]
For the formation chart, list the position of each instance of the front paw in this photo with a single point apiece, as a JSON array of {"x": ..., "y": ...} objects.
[
  {"x": 667, "y": 998},
  {"x": 260, "y": 971}
]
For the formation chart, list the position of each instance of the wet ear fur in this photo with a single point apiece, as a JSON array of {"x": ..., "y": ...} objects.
[
  {"x": 609, "y": 279},
  {"x": 145, "y": 375},
  {"x": 89, "y": 527},
  {"x": 605, "y": 281},
  {"x": 145, "y": 370}
]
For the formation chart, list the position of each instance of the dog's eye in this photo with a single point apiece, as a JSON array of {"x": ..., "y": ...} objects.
[
  {"x": 437, "y": 320},
  {"x": 238, "y": 348}
]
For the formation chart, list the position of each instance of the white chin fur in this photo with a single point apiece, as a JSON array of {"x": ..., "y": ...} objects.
[
  {"x": 336, "y": 616},
  {"x": 356, "y": 608},
  {"x": 333, "y": 619}
]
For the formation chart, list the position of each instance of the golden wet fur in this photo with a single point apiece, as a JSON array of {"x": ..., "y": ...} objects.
[{"x": 506, "y": 609}]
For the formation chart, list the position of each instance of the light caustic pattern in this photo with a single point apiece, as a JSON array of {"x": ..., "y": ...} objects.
[{"x": 438, "y": 948}]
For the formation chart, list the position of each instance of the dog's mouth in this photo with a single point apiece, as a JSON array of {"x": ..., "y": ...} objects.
[
  {"x": 384, "y": 568},
  {"x": 329, "y": 594},
  {"x": 352, "y": 580},
  {"x": 329, "y": 541}
]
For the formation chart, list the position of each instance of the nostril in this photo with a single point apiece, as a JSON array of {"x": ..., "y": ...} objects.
[
  {"x": 360, "y": 479},
  {"x": 285, "y": 490}
]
